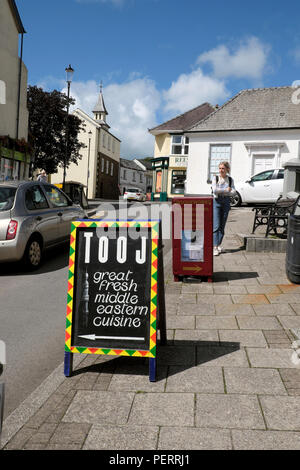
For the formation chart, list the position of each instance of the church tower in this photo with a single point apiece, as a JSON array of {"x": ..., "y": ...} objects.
[{"x": 100, "y": 111}]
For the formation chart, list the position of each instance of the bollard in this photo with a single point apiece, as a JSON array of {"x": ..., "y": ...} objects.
[{"x": 293, "y": 249}]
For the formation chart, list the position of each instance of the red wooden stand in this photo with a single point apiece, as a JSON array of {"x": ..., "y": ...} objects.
[{"x": 192, "y": 237}]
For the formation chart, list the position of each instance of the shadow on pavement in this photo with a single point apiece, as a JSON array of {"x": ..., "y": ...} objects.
[
  {"x": 223, "y": 276},
  {"x": 182, "y": 354},
  {"x": 54, "y": 259}
]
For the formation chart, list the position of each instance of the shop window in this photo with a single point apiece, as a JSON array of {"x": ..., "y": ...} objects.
[{"x": 178, "y": 180}]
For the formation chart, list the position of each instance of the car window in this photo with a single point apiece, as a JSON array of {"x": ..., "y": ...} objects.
[
  {"x": 7, "y": 197},
  {"x": 265, "y": 175},
  {"x": 35, "y": 199},
  {"x": 133, "y": 190},
  {"x": 57, "y": 198},
  {"x": 280, "y": 174}
]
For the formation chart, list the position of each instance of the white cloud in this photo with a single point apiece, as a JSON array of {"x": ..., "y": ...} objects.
[
  {"x": 249, "y": 60},
  {"x": 132, "y": 108},
  {"x": 191, "y": 90}
]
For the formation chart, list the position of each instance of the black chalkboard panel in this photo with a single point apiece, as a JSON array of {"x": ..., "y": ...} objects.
[{"x": 113, "y": 288}]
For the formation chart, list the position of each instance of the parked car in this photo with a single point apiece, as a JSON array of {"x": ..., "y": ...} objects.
[
  {"x": 34, "y": 216},
  {"x": 134, "y": 194},
  {"x": 264, "y": 187}
]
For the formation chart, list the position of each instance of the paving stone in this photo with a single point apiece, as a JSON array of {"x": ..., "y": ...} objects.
[
  {"x": 252, "y": 380},
  {"x": 203, "y": 287},
  {"x": 181, "y": 322},
  {"x": 289, "y": 288},
  {"x": 196, "y": 309},
  {"x": 176, "y": 355},
  {"x": 136, "y": 378},
  {"x": 214, "y": 299},
  {"x": 70, "y": 433},
  {"x": 227, "y": 354},
  {"x": 121, "y": 438},
  {"x": 283, "y": 298},
  {"x": 271, "y": 358},
  {"x": 270, "y": 279},
  {"x": 196, "y": 336},
  {"x": 194, "y": 439},
  {"x": 97, "y": 407},
  {"x": 20, "y": 438},
  {"x": 187, "y": 299},
  {"x": 195, "y": 380},
  {"x": 253, "y": 338},
  {"x": 291, "y": 380},
  {"x": 281, "y": 413},
  {"x": 163, "y": 409},
  {"x": 289, "y": 322},
  {"x": 273, "y": 309},
  {"x": 216, "y": 323},
  {"x": 234, "y": 309},
  {"x": 265, "y": 440},
  {"x": 258, "y": 323},
  {"x": 228, "y": 412},
  {"x": 250, "y": 299},
  {"x": 261, "y": 289},
  {"x": 229, "y": 289},
  {"x": 277, "y": 338},
  {"x": 295, "y": 307}
]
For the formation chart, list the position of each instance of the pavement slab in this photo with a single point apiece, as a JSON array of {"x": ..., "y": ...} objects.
[
  {"x": 228, "y": 412},
  {"x": 182, "y": 438},
  {"x": 253, "y": 381}
]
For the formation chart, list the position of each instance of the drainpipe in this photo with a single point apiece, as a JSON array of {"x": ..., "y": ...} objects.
[{"x": 19, "y": 87}]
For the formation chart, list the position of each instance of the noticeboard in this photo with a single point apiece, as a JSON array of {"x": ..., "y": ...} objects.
[{"x": 112, "y": 288}]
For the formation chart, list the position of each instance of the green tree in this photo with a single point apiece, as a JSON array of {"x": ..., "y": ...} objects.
[{"x": 47, "y": 129}]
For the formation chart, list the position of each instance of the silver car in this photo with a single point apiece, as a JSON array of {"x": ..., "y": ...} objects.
[{"x": 34, "y": 216}]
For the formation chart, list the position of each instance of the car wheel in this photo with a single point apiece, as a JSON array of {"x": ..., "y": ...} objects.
[
  {"x": 33, "y": 254},
  {"x": 236, "y": 200}
]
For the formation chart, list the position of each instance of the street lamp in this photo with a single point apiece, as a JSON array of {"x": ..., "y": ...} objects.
[
  {"x": 88, "y": 167},
  {"x": 69, "y": 77}
]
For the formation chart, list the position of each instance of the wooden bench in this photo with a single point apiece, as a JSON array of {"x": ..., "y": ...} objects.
[{"x": 274, "y": 216}]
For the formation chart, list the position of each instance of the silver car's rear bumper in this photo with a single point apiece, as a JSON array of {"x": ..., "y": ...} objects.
[{"x": 11, "y": 250}]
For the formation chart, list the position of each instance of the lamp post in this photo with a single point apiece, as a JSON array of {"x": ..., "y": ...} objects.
[
  {"x": 69, "y": 74},
  {"x": 88, "y": 167}
]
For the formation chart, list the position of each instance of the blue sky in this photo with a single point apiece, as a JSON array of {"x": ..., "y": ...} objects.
[{"x": 159, "y": 58}]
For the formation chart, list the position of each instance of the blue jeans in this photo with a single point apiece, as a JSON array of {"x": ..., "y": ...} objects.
[{"x": 221, "y": 210}]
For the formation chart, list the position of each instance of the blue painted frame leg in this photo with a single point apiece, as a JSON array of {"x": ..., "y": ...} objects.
[
  {"x": 68, "y": 364},
  {"x": 152, "y": 369}
]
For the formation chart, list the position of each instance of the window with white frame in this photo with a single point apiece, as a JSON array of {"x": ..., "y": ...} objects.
[
  {"x": 104, "y": 140},
  {"x": 102, "y": 165},
  {"x": 218, "y": 154},
  {"x": 124, "y": 174},
  {"x": 108, "y": 142},
  {"x": 179, "y": 145},
  {"x": 111, "y": 169},
  {"x": 107, "y": 167},
  {"x": 113, "y": 145}
]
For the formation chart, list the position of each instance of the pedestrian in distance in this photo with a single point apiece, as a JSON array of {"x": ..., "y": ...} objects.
[
  {"x": 42, "y": 177},
  {"x": 222, "y": 188}
]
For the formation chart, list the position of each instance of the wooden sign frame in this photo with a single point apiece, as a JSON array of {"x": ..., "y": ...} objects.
[{"x": 156, "y": 295}]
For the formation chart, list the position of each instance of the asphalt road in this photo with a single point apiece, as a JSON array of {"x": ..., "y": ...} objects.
[{"x": 32, "y": 317}]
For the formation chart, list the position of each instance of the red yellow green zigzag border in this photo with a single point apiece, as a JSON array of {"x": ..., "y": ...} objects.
[{"x": 154, "y": 225}]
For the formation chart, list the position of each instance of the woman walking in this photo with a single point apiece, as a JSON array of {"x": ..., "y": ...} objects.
[{"x": 223, "y": 188}]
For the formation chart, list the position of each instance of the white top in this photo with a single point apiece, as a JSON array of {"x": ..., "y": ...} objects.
[{"x": 220, "y": 188}]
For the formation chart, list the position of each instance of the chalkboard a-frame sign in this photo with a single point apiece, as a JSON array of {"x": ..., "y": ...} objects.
[{"x": 114, "y": 275}]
